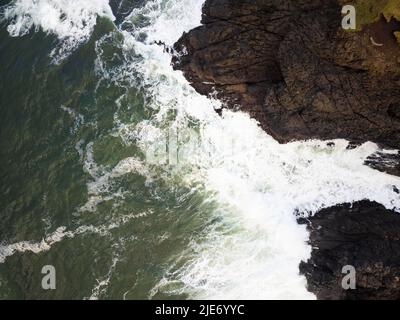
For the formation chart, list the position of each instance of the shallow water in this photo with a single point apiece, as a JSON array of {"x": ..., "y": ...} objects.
[{"x": 124, "y": 179}]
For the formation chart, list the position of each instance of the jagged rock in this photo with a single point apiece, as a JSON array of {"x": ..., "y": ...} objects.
[
  {"x": 385, "y": 162},
  {"x": 364, "y": 235},
  {"x": 291, "y": 66}
]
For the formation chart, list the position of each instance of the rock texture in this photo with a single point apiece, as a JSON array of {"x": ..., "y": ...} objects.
[
  {"x": 385, "y": 162},
  {"x": 364, "y": 235},
  {"x": 293, "y": 68}
]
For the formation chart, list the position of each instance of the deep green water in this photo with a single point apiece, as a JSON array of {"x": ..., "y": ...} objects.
[{"x": 43, "y": 181}]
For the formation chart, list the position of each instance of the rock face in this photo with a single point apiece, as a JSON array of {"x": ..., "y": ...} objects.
[
  {"x": 364, "y": 235},
  {"x": 389, "y": 163},
  {"x": 293, "y": 68}
]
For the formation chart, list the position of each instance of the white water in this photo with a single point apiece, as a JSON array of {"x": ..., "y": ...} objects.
[
  {"x": 254, "y": 249},
  {"x": 72, "y": 21},
  {"x": 61, "y": 233},
  {"x": 258, "y": 182}
]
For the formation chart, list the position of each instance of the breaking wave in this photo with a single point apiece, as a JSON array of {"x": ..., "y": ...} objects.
[
  {"x": 71, "y": 21},
  {"x": 252, "y": 245}
]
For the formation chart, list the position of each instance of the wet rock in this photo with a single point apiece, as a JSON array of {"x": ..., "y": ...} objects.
[
  {"x": 290, "y": 65},
  {"x": 385, "y": 162},
  {"x": 364, "y": 235}
]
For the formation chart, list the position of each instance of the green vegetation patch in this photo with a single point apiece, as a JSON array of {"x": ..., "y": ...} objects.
[
  {"x": 392, "y": 10},
  {"x": 370, "y": 11}
]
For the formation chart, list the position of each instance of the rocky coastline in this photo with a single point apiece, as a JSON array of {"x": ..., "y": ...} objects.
[
  {"x": 291, "y": 66},
  {"x": 364, "y": 235},
  {"x": 294, "y": 69}
]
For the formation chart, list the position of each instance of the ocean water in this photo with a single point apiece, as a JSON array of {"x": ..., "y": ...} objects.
[{"x": 118, "y": 174}]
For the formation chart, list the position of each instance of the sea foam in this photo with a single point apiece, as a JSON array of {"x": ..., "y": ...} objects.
[
  {"x": 253, "y": 246},
  {"x": 71, "y": 21}
]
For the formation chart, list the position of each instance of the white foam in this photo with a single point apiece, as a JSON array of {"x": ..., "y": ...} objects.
[
  {"x": 102, "y": 284},
  {"x": 30, "y": 246},
  {"x": 78, "y": 118},
  {"x": 72, "y": 21},
  {"x": 255, "y": 249},
  {"x": 61, "y": 233},
  {"x": 102, "y": 179}
]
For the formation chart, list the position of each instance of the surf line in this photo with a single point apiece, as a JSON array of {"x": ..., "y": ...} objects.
[{"x": 173, "y": 311}]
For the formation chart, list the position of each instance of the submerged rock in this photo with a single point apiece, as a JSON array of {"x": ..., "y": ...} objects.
[
  {"x": 293, "y": 68},
  {"x": 364, "y": 235}
]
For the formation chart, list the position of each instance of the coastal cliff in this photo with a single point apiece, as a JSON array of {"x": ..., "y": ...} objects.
[
  {"x": 294, "y": 69},
  {"x": 291, "y": 66}
]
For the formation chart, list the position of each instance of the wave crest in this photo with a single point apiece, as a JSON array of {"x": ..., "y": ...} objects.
[{"x": 72, "y": 21}]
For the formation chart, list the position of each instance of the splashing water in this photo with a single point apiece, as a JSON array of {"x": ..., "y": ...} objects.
[
  {"x": 251, "y": 246},
  {"x": 254, "y": 249},
  {"x": 72, "y": 21}
]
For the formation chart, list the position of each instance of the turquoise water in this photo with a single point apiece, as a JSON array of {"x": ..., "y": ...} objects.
[{"x": 82, "y": 105}]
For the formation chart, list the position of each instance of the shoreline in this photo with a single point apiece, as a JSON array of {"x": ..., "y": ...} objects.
[{"x": 302, "y": 78}]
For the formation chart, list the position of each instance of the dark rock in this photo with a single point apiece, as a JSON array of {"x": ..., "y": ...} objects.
[
  {"x": 385, "y": 162},
  {"x": 291, "y": 66},
  {"x": 364, "y": 235},
  {"x": 353, "y": 145}
]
